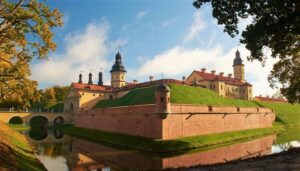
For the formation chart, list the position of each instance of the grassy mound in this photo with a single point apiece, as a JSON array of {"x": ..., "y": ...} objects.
[
  {"x": 285, "y": 112},
  {"x": 16, "y": 153},
  {"x": 179, "y": 94},
  {"x": 134, "y": 97},
  {"x": 196, "y": 95}
]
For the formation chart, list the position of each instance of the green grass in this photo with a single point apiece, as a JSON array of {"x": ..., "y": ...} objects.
[
  {"x": 179, "y": 94},
  {"x": 196, "y": 95},
  {"x": 134, "y": 97},
  {"x": 285, "y": 112},
  {"x": 176, "y": 146},
  {"x": 16, "y": 152},
  {"x": 55, "y": 106},
  {"x": 19, "y": 127}
]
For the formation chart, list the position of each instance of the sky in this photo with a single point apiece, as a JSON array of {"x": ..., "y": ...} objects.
[{"x": 169, "y": 38}]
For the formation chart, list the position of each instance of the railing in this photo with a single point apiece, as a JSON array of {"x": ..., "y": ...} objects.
[{"x": 31, "y": 110}]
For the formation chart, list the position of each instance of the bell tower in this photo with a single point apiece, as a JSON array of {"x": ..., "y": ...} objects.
[
  {"x": 238, "y": 67},
  {"x": 118, "y": 72}
]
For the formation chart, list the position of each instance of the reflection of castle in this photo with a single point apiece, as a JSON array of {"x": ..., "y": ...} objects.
[
  {"x": 225, "y": 86},
  {"x": 84, "y": 96},
  {"x": 88, "y": 155}
]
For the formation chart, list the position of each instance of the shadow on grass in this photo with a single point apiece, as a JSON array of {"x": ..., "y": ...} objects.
[{"x": 12, "y": 159}]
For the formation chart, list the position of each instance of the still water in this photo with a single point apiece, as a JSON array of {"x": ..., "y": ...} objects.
[{"x": 60, "y": 152}]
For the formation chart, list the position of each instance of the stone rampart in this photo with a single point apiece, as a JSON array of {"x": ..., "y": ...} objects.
[{"x": 183, "y": 120}]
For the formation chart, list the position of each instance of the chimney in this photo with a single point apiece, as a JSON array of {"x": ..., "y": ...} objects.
[
  {"x": 100, "y": 82},
  {"x": 183, "y": 79},
  {"x": 213, "y": 71},
  {"x": 229, "y": 75},
  {"x": 135, "y": 81},
  {"x": 203, "y": 69},
  {"x": 80, "y": 79},
  {"x": 151, "y": 78},
  {"x": 90, "y": 79},
  {"x": 260, "y": 95},
  {"x": 222, "y": 74}
]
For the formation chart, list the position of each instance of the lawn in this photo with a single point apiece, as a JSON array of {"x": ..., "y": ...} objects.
[
  {"x": 16, "y": 152},
  {"x": 179, "y": 94},
  {"x": 134, "y": 97},
  {"x": 285, "y": 112}
]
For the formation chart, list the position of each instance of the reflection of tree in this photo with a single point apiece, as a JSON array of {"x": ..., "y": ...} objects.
[{"x": 52, "y": 150}]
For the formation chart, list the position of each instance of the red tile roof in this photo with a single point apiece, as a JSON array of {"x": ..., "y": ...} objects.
[
  {"x": 93, "y": 87},
  {"x": 228, "y": 80},
  {"x": 270, "y": 99}
]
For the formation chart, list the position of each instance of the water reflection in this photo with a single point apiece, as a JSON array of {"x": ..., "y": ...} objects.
[
  {"x": 61, "y": 152},
  {"x": 89, "y": 156}
]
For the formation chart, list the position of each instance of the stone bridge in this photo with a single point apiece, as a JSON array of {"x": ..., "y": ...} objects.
[{"x": 59, "y": 118}]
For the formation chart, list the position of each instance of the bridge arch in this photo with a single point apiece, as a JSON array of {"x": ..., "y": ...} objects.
[
  {"x": 38, "y": 121},
  {"x": 16, "y": 120},
  {"x": 58, "y": 120}
]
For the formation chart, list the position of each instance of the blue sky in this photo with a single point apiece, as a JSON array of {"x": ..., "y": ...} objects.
[{"x": 170, "y": 37}]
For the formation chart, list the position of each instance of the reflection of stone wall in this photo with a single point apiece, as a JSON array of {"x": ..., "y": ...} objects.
[
  {"x": 184, "y": 120},
  {"x": 91, "y": 155}
]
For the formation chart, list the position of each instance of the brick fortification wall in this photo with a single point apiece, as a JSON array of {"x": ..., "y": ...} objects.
[
  {"x": 138, "y": 120},
  {"x": 182, "y": 120},
  {"x": 191, "y": 120}
]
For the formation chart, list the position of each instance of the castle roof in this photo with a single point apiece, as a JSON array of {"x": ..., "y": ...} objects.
[
  {"x": 228, "y": 80},
  {"x": 237, "y": 60},
  {"x": 118, "y": 66},
  {"x": 93, "y": 87}
]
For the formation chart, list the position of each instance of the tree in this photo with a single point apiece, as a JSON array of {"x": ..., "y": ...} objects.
[
  {"x": 25, "y": 33},
  {"x": 276, "y": 25}
]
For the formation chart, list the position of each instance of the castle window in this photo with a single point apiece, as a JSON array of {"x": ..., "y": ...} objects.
[
  {"x": 221, "y": 87},
  {"x": 161, "y": 99},
  {"x": 94, "y": 94},
  {"x": 110, "y": 96},
  {"x": 82, "y": 93}
]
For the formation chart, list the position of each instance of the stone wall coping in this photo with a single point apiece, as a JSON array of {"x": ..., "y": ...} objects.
[
  {"x": 199, "y": 105},
  {"x": 124, "y": 106}
]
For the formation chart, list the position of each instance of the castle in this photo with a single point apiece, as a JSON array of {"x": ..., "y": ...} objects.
[
  {"x": 84, "y": 96},
  {"x": 159, "y": 117}
]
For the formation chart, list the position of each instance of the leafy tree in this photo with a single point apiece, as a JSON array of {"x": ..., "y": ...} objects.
[
  {"x": 276, "y": 25},
  {"x": 25, "y": 33}
]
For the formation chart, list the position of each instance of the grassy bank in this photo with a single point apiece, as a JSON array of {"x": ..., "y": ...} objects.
[
  {"x": 50, "y": 106},
  {"x": 19, "y": 127},
  {"x": 179, "y": 94},
  {"x": 285, "y": 112},
  {"x": 16, "y": 153},
  {"x": 169, "y": 146}
]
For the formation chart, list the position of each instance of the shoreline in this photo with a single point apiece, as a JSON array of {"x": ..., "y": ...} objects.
[{"x": 286, "y": 160}]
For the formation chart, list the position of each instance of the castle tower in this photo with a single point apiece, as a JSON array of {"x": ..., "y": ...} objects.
[
  {"x": 118, "y": 72},
  {"x": 162, "y": 99},
  {"x": 238, "y": 67}
]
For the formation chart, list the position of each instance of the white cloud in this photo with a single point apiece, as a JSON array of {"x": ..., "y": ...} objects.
[
  {"x": 197, "y": 26},
  {"x": 141, "y": 14},
  {"x": 180, "y": 61},
  {"x": 85, "y": 51},
  {"x": 168, "y": 22}
]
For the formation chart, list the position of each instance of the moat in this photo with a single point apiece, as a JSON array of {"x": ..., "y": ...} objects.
[{"x": 58, "y": 152}]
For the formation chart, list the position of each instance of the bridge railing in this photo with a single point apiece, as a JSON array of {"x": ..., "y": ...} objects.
[{"x": 31, "y": 110}]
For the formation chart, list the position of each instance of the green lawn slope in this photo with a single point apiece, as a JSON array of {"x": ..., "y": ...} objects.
[
  {"x": 285, "y": 112},
  {"x": 179, "y": 94},
  {"x": 15, "y": 151},
  {"x": 134, "y": 97}
]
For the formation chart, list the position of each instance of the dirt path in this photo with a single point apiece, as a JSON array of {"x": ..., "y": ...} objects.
[{"x": 289, "y": 160}]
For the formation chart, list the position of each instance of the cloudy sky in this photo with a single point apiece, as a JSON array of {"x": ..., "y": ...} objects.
[{"x": 155, "y": 37}]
